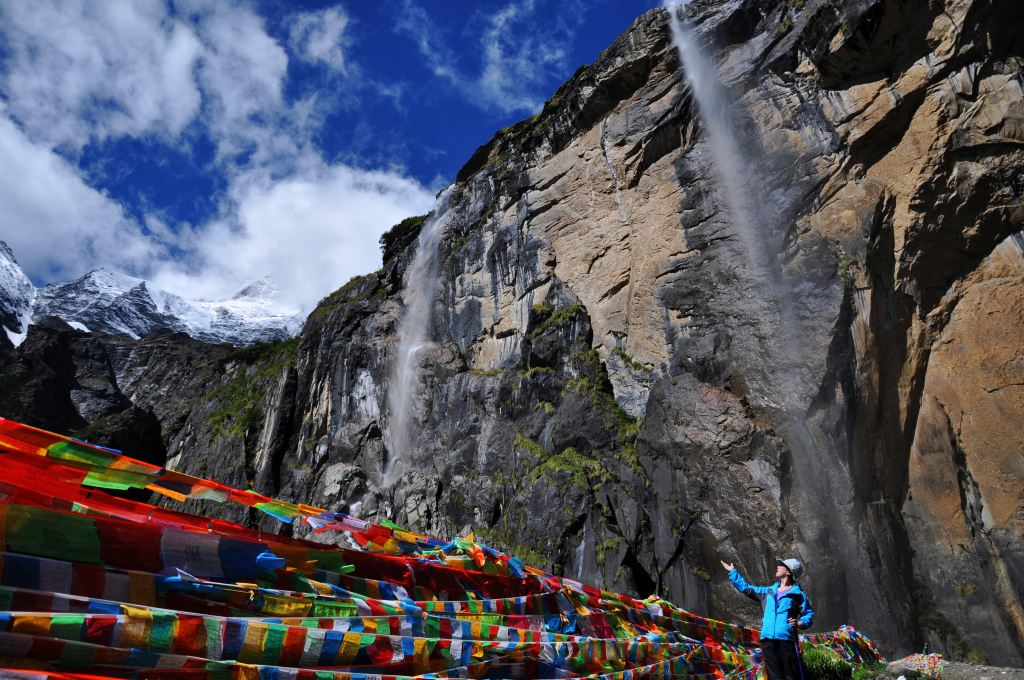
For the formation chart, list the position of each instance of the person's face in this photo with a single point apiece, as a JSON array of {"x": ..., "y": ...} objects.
[{"x": 781, "y": 570}]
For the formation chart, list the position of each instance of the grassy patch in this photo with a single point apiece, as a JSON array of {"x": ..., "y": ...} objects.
[
  {"x": 456, "y": 248},
  {"x": 547, "y": 317},
  {"x": 238, "y": 407},
  {"x": 615, "y": 417},
  {"x": 356, "y": 289},
  {"x": 587, "y": 356},
  {"x": 966, "y": 589},
  {"x": 844, "y": 263},
  {"x": 701, "y": 573},
  {"x": 931, "y": 618},
  {"x": 609, "y": 544},
  {"x": 277, "y": 353},
  {"x": 870, "y": 671},
  {"x": 821, "y": 663},
  {"x": 502, "y": 538},
  {"x": 498, "y": 160},
  {"x": 582, "y": 470},
  {"x": 239, "y": 399},
  {"x": 524, "y": 443},
  {"x": 591, "y": 383},
  {"x": 485, "y": 371},
  {"x": 630, "y": 362},
  {"x": 395, "y": 239}
]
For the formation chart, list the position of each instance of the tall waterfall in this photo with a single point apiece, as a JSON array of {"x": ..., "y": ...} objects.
[
  {"x": 731, "y": 166},
  {"x": 818, "y": 468},
  {"x": 755, "y": 222},
  {"x": 414, "y": 335}
]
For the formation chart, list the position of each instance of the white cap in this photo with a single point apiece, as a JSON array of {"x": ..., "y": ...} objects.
[{"x": 793, "y": 565}]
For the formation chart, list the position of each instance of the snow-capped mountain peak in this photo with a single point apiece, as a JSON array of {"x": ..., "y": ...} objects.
[
  {"x": 16, "y": 296},
  {"x": 104, "y": 300},
  {"x": 261, "y": 289}
]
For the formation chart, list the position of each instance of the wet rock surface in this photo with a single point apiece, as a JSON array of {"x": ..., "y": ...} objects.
[{"x": 606, "y": 394}]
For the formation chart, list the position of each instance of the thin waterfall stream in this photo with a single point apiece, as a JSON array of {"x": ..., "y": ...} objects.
[
  {"x": 415, "y": 333},
  {"x": 735, "y": 167},
  {"x": 730, "y": 166},
  {"x": 816, "y": 460}
]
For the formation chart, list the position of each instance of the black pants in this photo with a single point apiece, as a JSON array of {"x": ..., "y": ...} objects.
[{"x": 782, "y": 660}]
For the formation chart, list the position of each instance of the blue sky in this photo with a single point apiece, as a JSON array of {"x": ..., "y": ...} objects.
[{"x": 204, "y": 144}]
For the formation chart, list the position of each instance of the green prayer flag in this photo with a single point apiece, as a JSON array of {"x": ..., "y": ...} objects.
[
  {"x": 274, "y": 642},
  {"x": 77, "y": 453},
  {"x": 117, "y": 479},
  {"x": 67, "y": 626},
  {"x": 161, "y": 636},
  {"x": 46, "y": 533}
]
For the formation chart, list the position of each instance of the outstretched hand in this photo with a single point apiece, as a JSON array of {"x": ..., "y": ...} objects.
[{"x": 728, "y": 565}]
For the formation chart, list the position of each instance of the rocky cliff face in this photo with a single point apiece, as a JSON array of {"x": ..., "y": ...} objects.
[
  {"x": 16, "y": 296},
  {"x": 610, "y": 388}
]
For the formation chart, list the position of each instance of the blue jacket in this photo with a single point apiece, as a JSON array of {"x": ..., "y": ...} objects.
[{"x": 778, "y": 609}]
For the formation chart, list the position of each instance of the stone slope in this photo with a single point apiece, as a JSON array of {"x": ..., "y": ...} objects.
[{"x": 604, "y": 395}]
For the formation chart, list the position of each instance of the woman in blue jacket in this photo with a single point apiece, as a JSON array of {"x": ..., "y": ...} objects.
[{"x": 786, "y": 609}]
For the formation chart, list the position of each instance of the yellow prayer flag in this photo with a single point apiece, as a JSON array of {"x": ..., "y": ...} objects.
[
  {"x": 138, "y": 622},
  {"x": 246, "y": 672},
  {"x": 349, "y": 648},
  {"x": 285, "y": 606},
  {"x": 31, "y": 625},
  {"x": 421, "y": 655},
  {"x": 252, "y": 646},
  {"x": 164, "y": 491}
]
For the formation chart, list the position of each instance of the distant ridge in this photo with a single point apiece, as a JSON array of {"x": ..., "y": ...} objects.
[{"x": 107, "y": 301}]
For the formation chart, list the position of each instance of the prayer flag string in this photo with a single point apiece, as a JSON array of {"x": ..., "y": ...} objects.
[{"x": 93, "y": 585}]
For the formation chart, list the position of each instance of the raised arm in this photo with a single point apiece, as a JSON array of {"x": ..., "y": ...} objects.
[{"x": 740, "y": 583}]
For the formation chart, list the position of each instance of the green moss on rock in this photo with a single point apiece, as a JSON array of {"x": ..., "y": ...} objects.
[
  {"x": 547, "y": 317},
  {"x": 398, "y": 237}
]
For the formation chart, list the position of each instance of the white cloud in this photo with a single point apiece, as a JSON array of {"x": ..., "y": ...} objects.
[
  {"x": 80, "y": 70},
  {"x": 309, "y": 233},
  {"x": 242, "y": 74},
  {"x": 414, "y": 22},
  {"x": 58, "y": 226},
  {"x": 319, "y": 37},
  {"x": 519, "y": 56},
  {"x": 517, "y": 60}
]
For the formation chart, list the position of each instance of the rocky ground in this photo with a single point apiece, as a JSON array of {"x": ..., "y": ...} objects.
[
  {"x": 963, "y": 671},
  {"x": 956, "y": 671}
]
